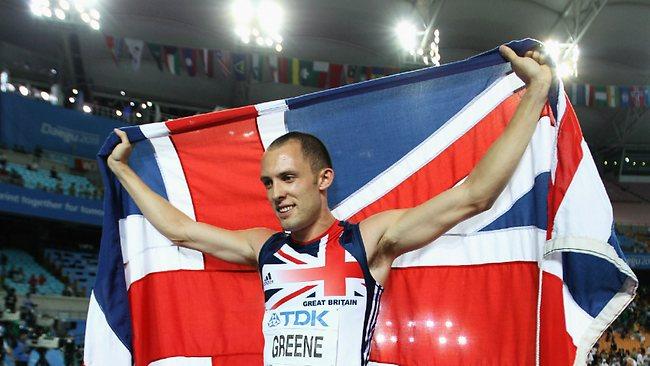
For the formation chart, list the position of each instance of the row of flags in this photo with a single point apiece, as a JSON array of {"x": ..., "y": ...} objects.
[
  {"x": 243, "y": 66},
  {"x": 609, "y": 96}
]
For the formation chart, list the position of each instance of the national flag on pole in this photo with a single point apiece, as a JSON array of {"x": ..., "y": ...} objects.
[
  {"x": 295, "y": 71},
  {"x": 335, "y": 75},
  {"x": 637, "y": 97},
  {"x": 239, "y": 65},
  {"x": 533, "y": 279},
  {"x": 613, "y": 96},
  {"x": 273, "y": 68},
  {"x": 172, "y": 59},
  {"x": 135, "y": 50},
  {"x": 224, "y": 63},
  {"x": 114, "y": 46},
  {"x": 156, "y": 53},
  {"x": 208, "y": 62},
  {"x": 189, "y": 59},
  {"x": 625, "y": 96},
  {"x": 600, "y": 96},
  {"x": 284, "y": 70}
]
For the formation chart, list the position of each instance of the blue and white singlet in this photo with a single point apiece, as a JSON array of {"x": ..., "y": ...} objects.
[{"x": 321, "y": 300}]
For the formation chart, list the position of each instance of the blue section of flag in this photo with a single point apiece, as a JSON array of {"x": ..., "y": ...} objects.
[
  {"x": 591, "y": 280},
  {"x": 143, "y": 158},
  {"x": 349, "y": 129},
  {"x": 529, "y": 210}
]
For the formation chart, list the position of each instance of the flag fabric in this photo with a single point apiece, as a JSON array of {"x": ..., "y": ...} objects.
[
  {"x": 172, "y": 59},
  {"x": 284, "y": 73},
  {"x": 114, "y": 46},
  {"x": 613, "y": 96},
  {"x": 274, "y": 68},
  {"x": 208, "y": 62},
  {"x": 532, "y": 279},
  {"x": 637, "y": 97},
  {"x": 189, "y": 59},
  {"x": 239, "y": 65},
  {"x": 224, "y": 63},
  {"x": 334, "y": 75},
  {"x": 135, "y": 50},
  {"x": 156, "y": 51}
]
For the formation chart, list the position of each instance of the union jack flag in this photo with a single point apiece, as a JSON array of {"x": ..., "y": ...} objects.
[{"x": 537, "y": 278}]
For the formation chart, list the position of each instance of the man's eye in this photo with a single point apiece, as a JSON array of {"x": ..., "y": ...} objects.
[{"x": 288, "y": 178}]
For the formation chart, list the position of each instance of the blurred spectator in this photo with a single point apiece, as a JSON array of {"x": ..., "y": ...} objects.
[
  {"x": 3, "y": 160},
  {"x": 21, "y": 350},
  {"x": 33, "y": 166},
  {"x": 72, "y": 190},
  {"x": 54, "y": 173},
  {"x": 41, "y": 279},
  {"x": 11, "y": 299},
  {"x": 33, "y": 281},
  {"x": 68, "y": 291}
]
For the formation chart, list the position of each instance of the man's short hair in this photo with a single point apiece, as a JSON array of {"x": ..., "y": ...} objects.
[{"x": 312, "y": 148}]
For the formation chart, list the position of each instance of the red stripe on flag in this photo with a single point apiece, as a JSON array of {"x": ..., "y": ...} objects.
[
  {"x": 222, "y": 169},
  {"x": 556, "y": 345},
  {"x": 450, "y": 166},
  {"x": 197, "y": 314},
  {"x": 569, "y": 155},
  {"x": 199, "y": 121},
  {"x": 494, "y": 313}
]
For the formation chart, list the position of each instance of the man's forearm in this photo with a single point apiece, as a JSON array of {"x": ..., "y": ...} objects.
[
  {"x": 493, "y": 172},
  {"x": 162, "y": 215}
]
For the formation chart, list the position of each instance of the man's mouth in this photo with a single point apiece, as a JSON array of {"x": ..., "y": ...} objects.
[{"x": 285, "y": 209}]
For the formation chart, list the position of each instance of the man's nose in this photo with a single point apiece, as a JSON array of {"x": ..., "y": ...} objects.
[{"x": 278, "y": 193}]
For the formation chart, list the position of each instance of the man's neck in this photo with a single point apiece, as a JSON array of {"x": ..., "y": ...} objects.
[{"x": 315, "y": 230}]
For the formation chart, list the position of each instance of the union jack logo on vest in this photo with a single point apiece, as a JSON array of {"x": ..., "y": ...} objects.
[{"x": 327, "y": 269}]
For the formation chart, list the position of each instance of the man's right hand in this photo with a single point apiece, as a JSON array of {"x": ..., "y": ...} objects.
[{"x": 121, "y": 152}]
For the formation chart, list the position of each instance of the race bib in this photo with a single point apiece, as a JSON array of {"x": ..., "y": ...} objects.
[{"x": 304, "y": 337}]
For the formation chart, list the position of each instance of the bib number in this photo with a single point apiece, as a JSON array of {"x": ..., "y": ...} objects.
[{"x": 300, "y": 337}]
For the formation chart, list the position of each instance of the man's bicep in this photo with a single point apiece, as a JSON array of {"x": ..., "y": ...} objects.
[
  {"x": 374, "y": 227},
  {"x": 235, "y": 246}
]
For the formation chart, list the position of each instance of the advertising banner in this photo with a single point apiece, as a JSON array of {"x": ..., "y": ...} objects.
[
  {"x": 30, "y": 123},
  {"x": 34, "y": 202}
]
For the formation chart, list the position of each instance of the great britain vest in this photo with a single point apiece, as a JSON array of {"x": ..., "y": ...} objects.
[{"x": 321, "y": 302}]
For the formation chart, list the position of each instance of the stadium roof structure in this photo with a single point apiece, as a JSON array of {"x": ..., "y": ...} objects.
[{"x": 614, "y": 40}]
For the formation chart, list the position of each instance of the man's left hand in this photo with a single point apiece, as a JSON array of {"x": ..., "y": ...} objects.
[{"x": 533, "y": 68}]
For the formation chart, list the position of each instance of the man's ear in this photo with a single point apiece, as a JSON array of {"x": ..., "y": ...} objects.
[{"x": 325, "y": 178}]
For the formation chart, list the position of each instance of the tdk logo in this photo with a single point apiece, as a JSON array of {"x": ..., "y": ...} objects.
[
  {"x": 274, "y": 321},
  {"x": 298, "y": 317},
  {"x": 267, "y": 280}
]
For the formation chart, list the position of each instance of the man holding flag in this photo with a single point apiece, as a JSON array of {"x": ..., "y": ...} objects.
[{"x": 323, "y": 279}]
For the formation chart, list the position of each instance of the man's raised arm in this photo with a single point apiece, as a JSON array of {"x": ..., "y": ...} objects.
[
  {"x": 240, "y": 246},
  {"x": 392, "y": 233}
]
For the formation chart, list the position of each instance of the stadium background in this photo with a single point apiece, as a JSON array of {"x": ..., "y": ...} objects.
[{"x": 68, "y": 80}]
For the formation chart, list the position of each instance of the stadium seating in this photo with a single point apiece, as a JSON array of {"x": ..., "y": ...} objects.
[
  {"x": 80, "y": 268},
  {"x": 18, "y": 258},
  {"x": 32, "y": 178}
]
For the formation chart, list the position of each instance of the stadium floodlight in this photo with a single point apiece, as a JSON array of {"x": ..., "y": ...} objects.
[
  {"x": 565, "y": 56},
  {"x": 260, "y": 20},
  {"x": 71, "y": 100},
  {"x": 406, "y": 35},
  {"x": 122, "y": 93},
  {"x": 149, "y": 104},
  {"x": 138, "y": 114},
  {"x": 45, "y": 95},
  {"x": 118, "y": 113},
  {"x": 143, "y": 105},
  {"x": 62, "y": 11},
  {"x": 75, "y": 91},
  {"x": 23, "y": 90},
  {"x": 86, "y": 108},
  {"x": 462, "y": 340},
  {"x": 442, "y": 340}
]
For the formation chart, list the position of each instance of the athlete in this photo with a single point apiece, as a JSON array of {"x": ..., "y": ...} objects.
[{"x": 325, "y": 315}]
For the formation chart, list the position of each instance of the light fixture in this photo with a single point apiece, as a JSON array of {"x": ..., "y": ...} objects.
[
  {"x": 261, "y": 21},
  {"x": 442, "y": 340},
  {"x": 86, "y": 108},
  {"x": 75, "y": 91},
  {"x": 62, "y": 11},
  {"x": 45, "y": 95},
  {"x": 132, "y": 104},
  {"x": 462, "y": 340},
  {"x": 138, "y": 114},
  {"x": 122, "y": 93},
  {"x": 565, "y": 56},
  {"x": 149, "y": 104},
  {"x": 23, "y": 90},
  {"x": 71, "y": 100},
  {"x": 144, "y": 105},
  {"x": 118, "y": 113},
  {"x": 406, "y": 35}
]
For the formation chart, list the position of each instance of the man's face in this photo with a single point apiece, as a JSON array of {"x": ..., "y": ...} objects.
[{"x": 291, "y": 186}]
